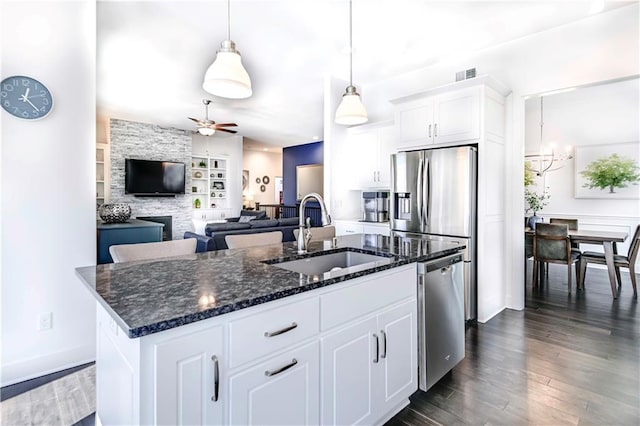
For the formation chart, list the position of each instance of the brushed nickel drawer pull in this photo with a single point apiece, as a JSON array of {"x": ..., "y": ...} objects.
[
  {"x": 377, "y": 358},
  {"x": 281, "y": 331},
  {"x": 281, "y": 369},
  {"x": 384, "y": 344},
  {"x": 216, "y": 378}
]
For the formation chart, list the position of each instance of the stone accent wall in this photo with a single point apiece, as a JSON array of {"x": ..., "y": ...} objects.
[{"x": 150, "y": 142}]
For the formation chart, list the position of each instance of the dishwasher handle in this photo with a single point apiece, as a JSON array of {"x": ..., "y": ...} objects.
[{"x": 443, "y": 262}]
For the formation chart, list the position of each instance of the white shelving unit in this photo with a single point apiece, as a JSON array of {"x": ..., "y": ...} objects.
[
  {"x": 102, "y": 174},
  {"x": 209, "y": 182}
]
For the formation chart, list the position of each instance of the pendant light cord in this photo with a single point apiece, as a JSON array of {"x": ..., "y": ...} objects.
[
  {"x": 541, "y": 121},
  {"x": 228, "y": 19},
  {"x": 350, "y": 43}
]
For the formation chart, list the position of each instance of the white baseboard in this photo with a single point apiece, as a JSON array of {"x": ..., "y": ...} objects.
[{"x": 31, "y": 368}]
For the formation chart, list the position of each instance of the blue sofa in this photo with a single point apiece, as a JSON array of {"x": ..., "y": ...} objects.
[{"x": 215, "y": 232}]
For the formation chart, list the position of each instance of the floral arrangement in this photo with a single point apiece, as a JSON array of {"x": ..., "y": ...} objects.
[
  {"x": 536, "y": 201},
  {"x": 611, "y": 172}
]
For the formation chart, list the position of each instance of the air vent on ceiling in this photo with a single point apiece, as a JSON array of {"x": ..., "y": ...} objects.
[{"x": 466, "y": 74}]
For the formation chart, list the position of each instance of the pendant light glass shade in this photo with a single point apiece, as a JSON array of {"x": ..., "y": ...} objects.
[
  {"x": 226, "y": 77},
  {"x": 351, "y": 111}
]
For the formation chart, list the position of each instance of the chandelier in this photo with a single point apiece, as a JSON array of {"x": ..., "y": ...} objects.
[{"x": 548, "y": 159}]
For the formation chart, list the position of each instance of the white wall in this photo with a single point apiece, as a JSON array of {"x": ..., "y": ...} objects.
[
  {"x": 594, "y": 115},
  {"x": 260, "y": 164},
  {"x": 48, "y": 190},
  {"x": 599, "y": 48},
  {"x": 229, "y": 146}
]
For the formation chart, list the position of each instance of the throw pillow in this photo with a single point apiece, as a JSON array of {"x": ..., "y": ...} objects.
[{"x": 245, "y": 219}]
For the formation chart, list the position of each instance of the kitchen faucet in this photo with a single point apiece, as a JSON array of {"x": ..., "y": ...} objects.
[{"x": 304, "y": 233}]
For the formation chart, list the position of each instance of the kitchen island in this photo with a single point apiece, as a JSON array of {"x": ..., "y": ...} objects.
[{"x": 230, "y": 337}]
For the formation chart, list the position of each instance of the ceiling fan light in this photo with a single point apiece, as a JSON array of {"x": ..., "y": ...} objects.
[
  {"x": 206, "y": 131},
  {"x": 226, "y": 77},
  {"x": 351, "y": 111}
]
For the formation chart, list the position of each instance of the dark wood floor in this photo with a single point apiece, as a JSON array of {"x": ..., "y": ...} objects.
[{"x": 562, "y": 360}]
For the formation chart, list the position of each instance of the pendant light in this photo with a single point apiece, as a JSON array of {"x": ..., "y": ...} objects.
[
  {"x": 547, "y": 160},
  {"x": 226, "y": 77},
  {"x": 351, "y": 110}
]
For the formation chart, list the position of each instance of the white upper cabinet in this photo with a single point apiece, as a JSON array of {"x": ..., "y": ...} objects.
[
  {"x": 448, "y": 117},
  {"x": 370, "y": 148}
]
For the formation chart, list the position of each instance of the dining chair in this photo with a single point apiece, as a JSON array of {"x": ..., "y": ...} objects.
[
  {"x": 253, "y": 240},
  {"x": 147, "y": 251},
  {"x": 319, "y": 233},
  {"x": 620, "y": 261},
  {"x": 551, "y": 244},
  {"x": 572, "y": 224}
]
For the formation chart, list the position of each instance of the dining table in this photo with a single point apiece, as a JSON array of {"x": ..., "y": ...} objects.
[{"x": 607, "y": 239}]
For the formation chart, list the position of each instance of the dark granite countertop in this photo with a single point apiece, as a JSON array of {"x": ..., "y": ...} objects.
[{"x": 148, "y": 297}]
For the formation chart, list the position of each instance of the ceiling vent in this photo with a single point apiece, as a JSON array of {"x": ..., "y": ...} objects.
[{"x": 464, "y": 75}]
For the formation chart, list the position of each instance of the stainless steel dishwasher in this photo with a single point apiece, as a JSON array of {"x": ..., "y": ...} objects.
[{"x": 441, "y": 323}]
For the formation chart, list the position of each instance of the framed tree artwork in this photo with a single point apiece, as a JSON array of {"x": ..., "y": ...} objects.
[{"x": 608, "y": 171}]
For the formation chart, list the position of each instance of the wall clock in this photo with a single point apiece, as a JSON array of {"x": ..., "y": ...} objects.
[{"x": 25, "y": 97}]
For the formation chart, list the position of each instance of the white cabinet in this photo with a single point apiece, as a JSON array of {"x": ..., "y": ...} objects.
[
  {"x": 448, "y": 117},
  {"x": 283, "y": 390},
  {"x": 188, "y": 377},
  {"x": 347, "y": 375},
  {"x": 369, "y": 367},
  {"x": 346, "y": 227},
  {"x": 312, "y": 358},
  {"x": 370, "y": 148}
]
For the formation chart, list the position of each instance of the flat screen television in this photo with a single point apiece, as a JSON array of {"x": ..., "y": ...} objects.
[{"x": 146, "y": 177}]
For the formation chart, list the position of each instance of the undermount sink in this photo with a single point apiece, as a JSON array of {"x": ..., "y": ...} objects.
[{"x": 334, "y": 264}]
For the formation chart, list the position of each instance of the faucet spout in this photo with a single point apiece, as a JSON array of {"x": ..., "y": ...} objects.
[{"x": 326, "y": 219}]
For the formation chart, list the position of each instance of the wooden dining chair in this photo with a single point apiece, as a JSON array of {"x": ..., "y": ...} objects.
[
  {"x": 572, "y": 224},
  {"x": 551, "y": 244},
  {"x": 149, "y": 251},
  {"x": 620, "y": 261},
  {"x": 253, "y": 240}
]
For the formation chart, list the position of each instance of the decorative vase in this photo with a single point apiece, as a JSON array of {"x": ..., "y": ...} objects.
[
  {"x": 533, "y": 220},
  {"x": 115, "y": 213}
]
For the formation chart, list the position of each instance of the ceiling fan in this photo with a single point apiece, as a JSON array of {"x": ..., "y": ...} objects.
[{"x": 208, "y": 127}]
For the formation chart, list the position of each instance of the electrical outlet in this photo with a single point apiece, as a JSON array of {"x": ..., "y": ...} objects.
[{"x": 45, "y": 321}]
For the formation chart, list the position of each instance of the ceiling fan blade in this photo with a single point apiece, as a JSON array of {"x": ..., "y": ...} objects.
[
  {"x": 227, "y": 124},
  {"x": 226, "y": 130},
  {"x": 197, "y": 121}
]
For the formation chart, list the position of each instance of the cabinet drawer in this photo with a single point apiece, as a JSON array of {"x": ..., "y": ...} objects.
[
  {"x": 341, "y": 306},
  {"x": 268, "y": 331}
]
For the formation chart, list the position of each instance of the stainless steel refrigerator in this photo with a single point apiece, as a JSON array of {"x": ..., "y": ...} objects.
[{"x": 434, "y": 197}]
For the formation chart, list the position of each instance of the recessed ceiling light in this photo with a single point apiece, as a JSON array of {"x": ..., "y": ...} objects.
[
  {"x": 315, "y": 138},
  {"x": 265, "y": 149}
]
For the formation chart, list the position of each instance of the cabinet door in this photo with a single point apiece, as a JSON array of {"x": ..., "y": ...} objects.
[
  {"x": 187, "y": 378},
  {"x": 398, "y": 375},
  {"x": 347, "y": 375},
  {"x": 281, "y": 391},
  {"x": 363, "y": 146},
  {"x": 457, "y": 116},
  {"x": 414, "y": 120},
  {"x": 386, "y": 147}
]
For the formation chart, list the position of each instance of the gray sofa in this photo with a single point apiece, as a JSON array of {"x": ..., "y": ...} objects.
[{"x": 215, "y": 233}]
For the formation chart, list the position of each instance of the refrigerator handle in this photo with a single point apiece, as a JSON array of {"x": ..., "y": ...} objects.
[
  {"x": 419, "y": 191},
  {"x": 426, "y": 194}
]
